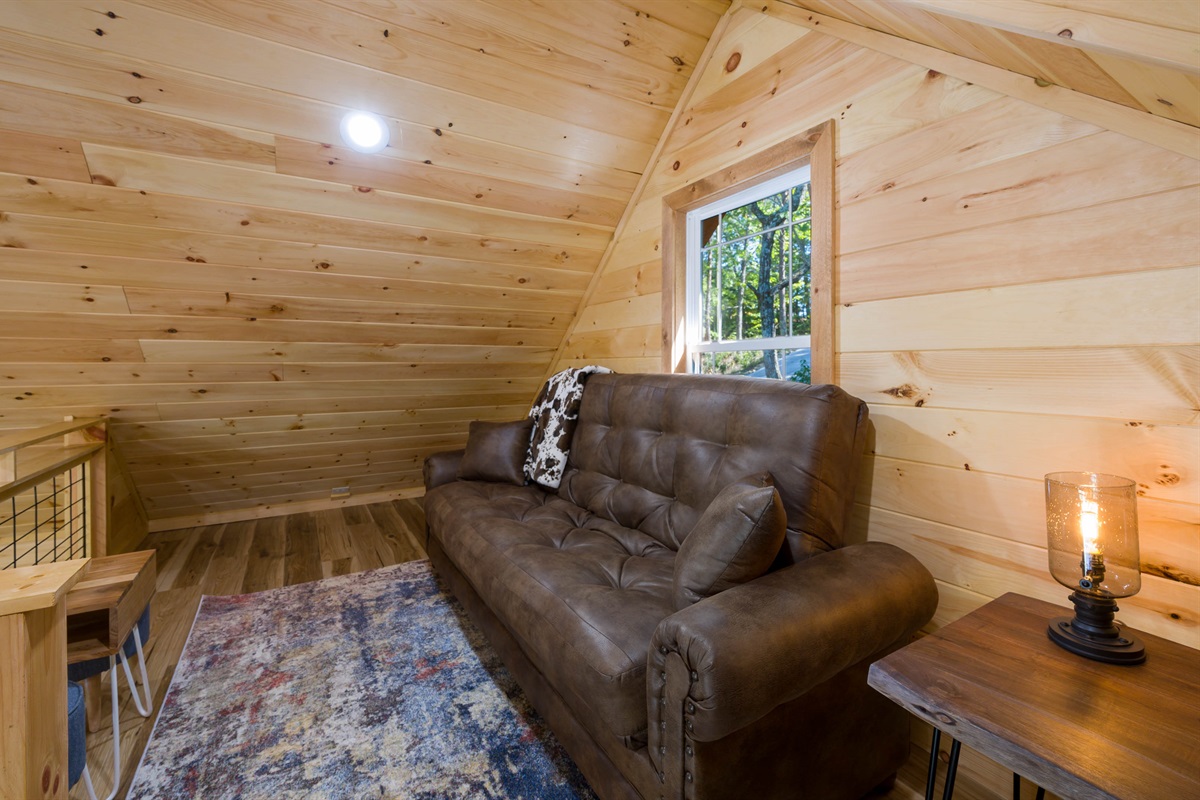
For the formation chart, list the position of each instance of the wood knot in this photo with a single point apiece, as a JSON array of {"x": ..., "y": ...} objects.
[
  {"x": 732, "y": 62},
  {"x": 1167, "y": 479},
  {"x": 906, "y": 391},
  {"x": 1067, "y": 33}
]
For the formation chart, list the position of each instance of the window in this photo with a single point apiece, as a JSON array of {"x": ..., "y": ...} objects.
[
  {"x": 748, "y": 266},
  {"x": 749, "y": 280}
]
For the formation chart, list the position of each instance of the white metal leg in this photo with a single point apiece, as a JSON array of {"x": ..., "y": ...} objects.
[
  {"x": 143, "y": 706},
  {"x": 116, "y": 719},
  {"x": 87, "y": 783}
]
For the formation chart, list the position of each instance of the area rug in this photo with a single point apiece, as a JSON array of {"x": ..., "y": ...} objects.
[{"x": 373, "y": 685}]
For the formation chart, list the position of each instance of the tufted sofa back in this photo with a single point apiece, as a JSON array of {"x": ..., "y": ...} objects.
[{"x": 651, "y": 451}]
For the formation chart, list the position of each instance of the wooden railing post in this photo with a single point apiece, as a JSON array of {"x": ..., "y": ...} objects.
[{"x": 33, "y": 679}]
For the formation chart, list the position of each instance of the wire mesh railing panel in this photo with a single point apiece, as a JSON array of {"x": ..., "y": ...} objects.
[{"x": 47, "y": 522}]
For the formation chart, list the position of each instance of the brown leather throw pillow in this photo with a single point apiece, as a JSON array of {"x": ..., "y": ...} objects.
[
  {"x": 496, "y": 452},
  {"x": 734, "y": 541}
]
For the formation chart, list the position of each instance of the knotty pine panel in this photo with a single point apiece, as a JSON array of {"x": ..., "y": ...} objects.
[
  {"x": 947, "y": 145},
  {"x": 92, "y": 237},
  {"x": 1107, "y": 310},
  {"x": 227, "y": 304},
  {"x": 1101, "y": 168},
  {"x": 33, "y": 325},
  {"x": 395, "y": 488},
  {"x": 554, "y": 225},
  {"x": 379, "y": 479},
  {"x": 308, "y": 278},
  {"x": 53, "y": 199},
  {"x": 232, "y": 479},
  {"x": 342, "y": 165},
  {"x": 381, "y": 449},
  {"x": 18, "y": 295},
  {"x": 1172, "y": 94},
  {"x": 345, "y": 353},
  {"x": 1154, "y": 384},
  {"x": 1096, "y": 240},
  {"x": 159, "y": 431},
  {"x": 635, "y": 281},
  {"x": 49, "y": 351},
  {"x": 298, "y": 435},
  {"x": 1014, "y": 508},
  {"x": 987, "y": 564},
  {"x": 31, "y": 110},
  {"x": 43, "y": 156},
  {"x": 261, "y": 470},
  {"x": 279, "y": 392},
  {"x": 268, "y": 405},
  {"x": 88, "y": 374},
  {"x": 1163, "y": 459}
]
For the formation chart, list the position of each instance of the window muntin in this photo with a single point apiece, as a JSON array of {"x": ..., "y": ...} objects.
[{"x": 749, "y": 281}]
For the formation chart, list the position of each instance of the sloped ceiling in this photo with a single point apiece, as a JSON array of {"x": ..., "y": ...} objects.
[
  {"x": 1142, "y": 54},
  {"x": 264, "y": 314}
]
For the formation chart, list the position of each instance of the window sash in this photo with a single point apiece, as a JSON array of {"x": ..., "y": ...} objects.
[
  {"x": 774, "y": 343},
  {"x": 693, "y": 287}
]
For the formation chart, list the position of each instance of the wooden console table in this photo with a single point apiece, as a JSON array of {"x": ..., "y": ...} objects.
[{"x": 1079, "y": 728}]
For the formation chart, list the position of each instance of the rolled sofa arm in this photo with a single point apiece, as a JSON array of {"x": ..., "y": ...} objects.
[
  {"x": 755, "y": 646},
  {"x": 441, "y": 468}
]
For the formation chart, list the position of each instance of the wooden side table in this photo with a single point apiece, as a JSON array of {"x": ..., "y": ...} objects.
[
  {"x": 105, "y": 604},
  {"x": 1080, "y": 728}
]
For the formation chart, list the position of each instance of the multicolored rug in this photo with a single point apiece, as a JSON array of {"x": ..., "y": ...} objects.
[{"x": 373, "y": 685}]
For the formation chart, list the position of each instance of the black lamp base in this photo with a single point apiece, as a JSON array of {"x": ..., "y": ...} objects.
[{"x": 1093, "y": 634}]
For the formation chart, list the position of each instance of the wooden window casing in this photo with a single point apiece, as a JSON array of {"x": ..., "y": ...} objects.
[{"x": 813, "y": 147}]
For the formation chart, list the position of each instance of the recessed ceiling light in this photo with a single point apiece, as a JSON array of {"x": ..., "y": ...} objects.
[{"x": 365, "y": 132}]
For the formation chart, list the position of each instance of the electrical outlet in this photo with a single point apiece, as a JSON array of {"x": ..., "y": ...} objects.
[{"x": 339, "y": 492}]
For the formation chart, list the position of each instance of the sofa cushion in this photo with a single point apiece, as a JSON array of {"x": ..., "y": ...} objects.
[
  {"x": 496, "y": 452},
  {"x": 652, "y": 451},
  {"x": 582, "y": 594},
  {"x": 735, "y": 541}
]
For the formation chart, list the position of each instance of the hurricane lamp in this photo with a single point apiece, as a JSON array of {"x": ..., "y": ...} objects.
[{"x": 1092, "y": 536}]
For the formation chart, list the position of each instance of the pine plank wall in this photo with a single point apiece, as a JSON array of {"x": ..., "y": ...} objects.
[
  {"x": 1017, "y": 293},
  {"x": 265, "y": 316}
]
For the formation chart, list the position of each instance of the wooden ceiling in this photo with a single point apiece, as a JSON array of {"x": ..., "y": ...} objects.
[
  {"x": 265, "y": 314},
  {"x": 1143, "y": 54}
]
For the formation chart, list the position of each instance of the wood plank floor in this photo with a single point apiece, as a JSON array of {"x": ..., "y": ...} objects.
[
  {"x": 280, "y": 551},
  {"x": 244, "y": 557}
]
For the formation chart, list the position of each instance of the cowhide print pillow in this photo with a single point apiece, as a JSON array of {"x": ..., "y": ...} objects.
[{"x": 554, "y": 415}]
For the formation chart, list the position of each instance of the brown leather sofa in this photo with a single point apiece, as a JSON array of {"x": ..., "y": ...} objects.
[{"x": 758, "y": 691}]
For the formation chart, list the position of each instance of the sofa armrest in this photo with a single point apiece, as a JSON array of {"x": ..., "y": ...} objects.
[
  {"x": 441, "y": 468},
  {"x": 767, "y": 642}
]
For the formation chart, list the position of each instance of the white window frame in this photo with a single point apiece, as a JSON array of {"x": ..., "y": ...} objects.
[
  {"x": 814, "y": 147},
  {"x": 695, "y": 347}
]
